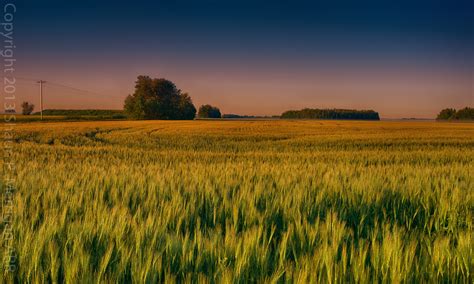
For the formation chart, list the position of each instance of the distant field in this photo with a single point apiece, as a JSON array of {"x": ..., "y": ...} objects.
[
  {"x": 244, "y": 201},
  {"x": 49, "y": 118}
]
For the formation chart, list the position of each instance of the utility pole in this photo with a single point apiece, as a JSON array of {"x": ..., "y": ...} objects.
[{"x": 41, "y": 96}]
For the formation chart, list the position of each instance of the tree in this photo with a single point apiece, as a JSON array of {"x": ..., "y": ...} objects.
[
  {"x": 27, "y": 108},
  {"x": 447, "y": 113},
  {"x": 158, "y": 99},
  {"x": 466, "y": 113},
  {"x": 186, "y": 107},
  {"x": 208, "y": 111}
]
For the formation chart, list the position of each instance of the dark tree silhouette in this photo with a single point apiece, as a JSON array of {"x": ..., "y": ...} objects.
[
  {"x": 27, "y": 108},
  {"x": 466, "y": 113},
  {"x": 308, "y": 113},
  {"x": 186, "y": 107},
  {"x": 208, "y": 111},
  {"x": 447, "y": 113},
  {"x": 158, "y": 99}
]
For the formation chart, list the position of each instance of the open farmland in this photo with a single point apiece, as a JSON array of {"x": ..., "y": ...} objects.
[{"x": 240, "y": 201}]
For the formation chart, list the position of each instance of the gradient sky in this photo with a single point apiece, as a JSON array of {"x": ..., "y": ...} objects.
[{"x": 401, "y": 58}]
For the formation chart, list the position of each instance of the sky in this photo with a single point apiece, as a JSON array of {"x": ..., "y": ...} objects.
[{"x": 400, "y": 58}]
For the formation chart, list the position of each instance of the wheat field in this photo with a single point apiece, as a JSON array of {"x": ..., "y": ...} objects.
[{"x": 243, "y": 201}]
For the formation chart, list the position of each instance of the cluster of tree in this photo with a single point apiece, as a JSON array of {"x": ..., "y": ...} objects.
[
  {"x": 230, "y": 115},
  {"x": 27, "y": 108},
  {"x": 158, "y": 99},
  {"x": 466, "y": 113},
  {"x": 308, "y": 113},
  {"x": 208, "y": 111}
]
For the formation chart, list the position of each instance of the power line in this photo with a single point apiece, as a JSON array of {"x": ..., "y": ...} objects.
[
  {"x": 83, "y": 91},
  {"x": 54, "y": 84},
  {"x": 68, "y": 87}
]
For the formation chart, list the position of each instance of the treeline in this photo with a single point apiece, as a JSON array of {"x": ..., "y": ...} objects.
[
  {"x": 466, "y": 113},
  {"x": 231, "y": 115},
  {"x": 82, "y": 112},
  {"x": 308, "y": 113}
]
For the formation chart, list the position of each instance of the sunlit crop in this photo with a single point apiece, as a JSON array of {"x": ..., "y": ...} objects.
[{"x": 244, "y": 201}]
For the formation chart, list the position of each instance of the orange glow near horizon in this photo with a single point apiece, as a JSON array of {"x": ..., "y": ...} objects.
[{"x": 394, "y": 93}]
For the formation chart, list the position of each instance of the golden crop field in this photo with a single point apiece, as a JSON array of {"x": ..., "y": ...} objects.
[{"x": 244, "y": 201}]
